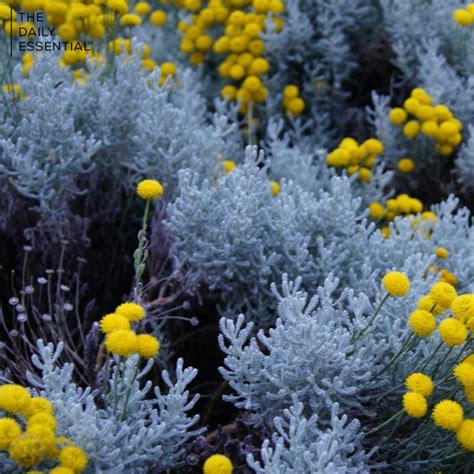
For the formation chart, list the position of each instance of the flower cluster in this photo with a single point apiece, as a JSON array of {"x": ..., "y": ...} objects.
[
  {"x": 464, "y": 16},
  {"x": 29, "y": 436},
  {"x": 402, "y": 205},
  {"x": 355, "y": 157},
  {"x": 83, "y": 24},
  {"x": 437, "y": 122},
  {"x": 292, "y": 102},
  {"x": 233, "y": 29},
  {"x": 420, "y": 387},
  {"x": 121, "y": 339}
]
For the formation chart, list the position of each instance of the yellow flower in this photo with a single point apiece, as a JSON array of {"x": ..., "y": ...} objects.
[
  {"x": 150, "y": 189},
  {"x": 130, "y": 19},
  {"x": 9, "y": 430},
  {"x": 14, "y": 398},
  {"x": 113, "y": 322},
  {"x": 122, "y": 343},
  {"x": 364, "y": 175},
  {"x": 119, "y": 6},
  {"x": 167, "y": 69},
  {"x": 411, "y": 129},
  {"x": 229, "y": 165},
  {"x": 463, "y": 307},
  {"x": 275, "y": 187},
  {"x": 132, "y": 311},
  {"x": 46, "y": 435},
  {"x": 464, "y": 373},
  {"x": 376, "y": 210},
  {"x": 462, "y": 17},
  {"x": 61, "y": 470},
  {"x": 148, "y": 346},
  {"x": 44, "y": 419},
  {"x": 448, "y": 277},
  {"x": 5, "y": 12},
  {"x": 38, "y": 405},
  {"x": 427, "y": 303},
  {"x": 414, "y": 404},
  {"x": 443, "y": 294},
  {"x": 27, "y": 450},
  {"x": 452, "y": 331},
  {"x": 373, "y": 146},
  {"x": 66, "y": 31},
  {"x": 398, "y": 116},
  {"x": 295, "y": 106},
  {"x": 158, "y": 18},
  {"x": 420, "y": 383},
  {"x": 465, "y": 434},
  {"x": 396, "y": 283},
  {"x": 142, "y": 8},
  {"x": 422, "y": 322},
  {"x": 406, "y": 165},
  {"x": 469, "y": 359},
  {"x": 74, "y": 458},
  {"x": 448, "y": 415},
  {"x": 218, "y": 464}
]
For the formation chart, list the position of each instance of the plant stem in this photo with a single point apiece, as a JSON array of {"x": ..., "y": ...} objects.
[
  {"x": 359, "y": 334},
  {"x": 140, "y": 254},
  {"x": 386, "y": 422},
  {"x": 407, "y": 346}
]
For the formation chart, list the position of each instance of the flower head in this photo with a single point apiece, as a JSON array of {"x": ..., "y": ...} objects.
[
  {"x": 448, "y": 415},
  {"x": 74, "y": 458},
  {"x": 452, "y": 331},
  {"x": 113, "y": 322},
  {"x": 9, "y": 430},
  {"x": 396, "y": 283},
  {"x": 427, "y": 303},
  {"x": 149, "y": 189},
  {"x": 443, "y": 293},
  {"x": 465, "y": 434},
  {"x": 464, "y": 373},
  {"x": 463, "y": 307},
  {"x": 44, "y": 419},
  {"x": 14, "y": 398},
  {"x": 218, "y": 464},
  {"x": 415, "y": 404},
  {"x": 122, "y": 343},
  {"x": 27, "y": 450},
  {"x": 441, "y": 252},
  {"x": 132, "y": 311},
  {"x": 420, "y": 383},
  {"x": 61, "y": 470},
  {"x": 422, "y": 322},
  {"x": 130, "y": 19},
  {"x": 275, "y": 187},
  {"x": 229, "y": 165},
  {"x": 38, "y": 405},
  {"x": 462, "y": 17},
  {"x": 148, "y": 346}
]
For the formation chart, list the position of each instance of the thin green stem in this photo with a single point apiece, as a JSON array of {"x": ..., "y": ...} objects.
[
  {"x": 438, "y": 365},
  {"x": 385, "y": 423},
  {"x": 115, "y": 382},
  {"x": 410, "y": 342},
  {"x": 140, "y": 254},
  {"x": 456, "y": 360},
  {"x": 428, "y": 360},
  {"x": 359, "y": 334}
]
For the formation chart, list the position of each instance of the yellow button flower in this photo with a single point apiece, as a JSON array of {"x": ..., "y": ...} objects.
[
  {"x": 396, "y": 284},
  {"x": 149, "y": 189}
]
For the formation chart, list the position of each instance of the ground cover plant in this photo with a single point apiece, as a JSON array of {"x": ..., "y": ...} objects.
[{"x": 236, "y": 236}]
